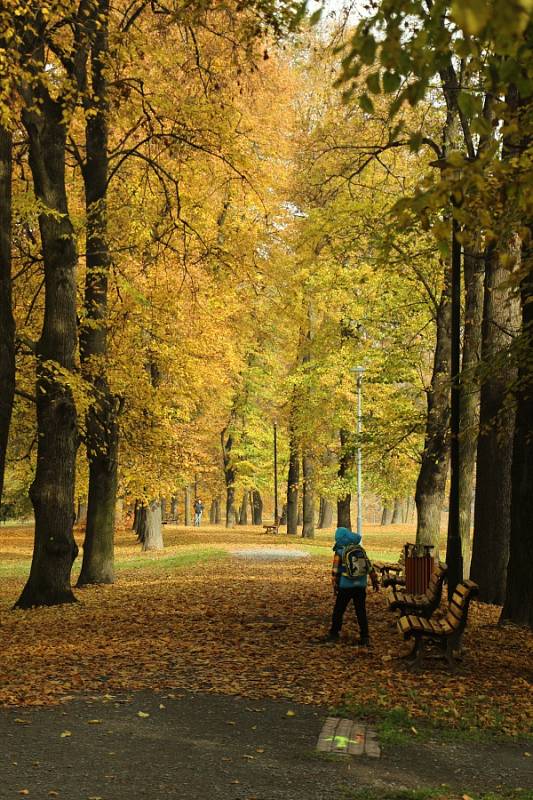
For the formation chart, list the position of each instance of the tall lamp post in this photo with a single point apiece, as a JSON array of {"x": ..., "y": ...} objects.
[{"x": 359, "y": 371}]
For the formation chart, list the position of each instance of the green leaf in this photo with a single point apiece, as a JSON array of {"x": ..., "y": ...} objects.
[
  {"x": 470, "y": 104},
  {"x": 391, "y": 82},
  {"x": 415, "y": 142},
  {"x": 367, "y": 50},
  {"x": 373, "y": 83},
  {"x": 481, "y": 126},
  {"x": 366, "y": 103},
  {"x": 471, "y": 15}
]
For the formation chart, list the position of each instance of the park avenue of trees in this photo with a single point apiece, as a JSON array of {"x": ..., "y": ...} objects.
[{"x": 210, "y": 215}]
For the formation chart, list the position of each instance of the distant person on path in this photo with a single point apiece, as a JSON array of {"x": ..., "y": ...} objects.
[
  {"x": 349, "y": 575},
  {"x": 198, "y": 511}
]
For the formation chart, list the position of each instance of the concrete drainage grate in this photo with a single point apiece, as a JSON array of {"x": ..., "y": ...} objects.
[{"x": 348, "y": 738}]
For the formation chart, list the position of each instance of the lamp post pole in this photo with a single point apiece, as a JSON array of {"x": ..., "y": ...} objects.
[{"x": 359, "y": 371}]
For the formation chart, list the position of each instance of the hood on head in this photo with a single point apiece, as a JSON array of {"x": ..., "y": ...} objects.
[{"x": 344, "y": 537}]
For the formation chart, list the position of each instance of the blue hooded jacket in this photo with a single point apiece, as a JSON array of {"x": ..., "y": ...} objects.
[{"x": 343, "y": 538}]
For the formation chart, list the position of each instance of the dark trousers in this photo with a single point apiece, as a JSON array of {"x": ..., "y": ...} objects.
[{"x": 358, "y": 595}]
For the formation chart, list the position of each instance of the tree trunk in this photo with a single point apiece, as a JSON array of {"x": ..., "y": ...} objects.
[
  {"x": 102, "y": 414},
  {"x": 293, "y": 480},
  {"x": 492, "y": 513},
  {"x": 229, "y": 477},
  {"x": 397, "y": 513},
  {"x": 218, "y": 512},
  {"x": 52, "y": 490},
  {"x": 518, "y": 605},
  {"x": 474, "y": 270},
  {"x": 386, "y": 515},
  {"x": 150, "y": 530},
  {"x": 187, "y": 506},
  {"x": 81, "y": 512},
  {"x": 243, "y": 512},
  {"x": 7, "y": 323},
  {"x": 308, "y": 531},
  {"x": 431, "y": 482},
  {"x": 344, "y": 515},
  {"x": 136, "y": 514},
  {"x": 325, "y": 517},
  {"x": 283, "y": 515},
  {"x": 257, "y": 508},
  {"x": 174, "y": 507}
]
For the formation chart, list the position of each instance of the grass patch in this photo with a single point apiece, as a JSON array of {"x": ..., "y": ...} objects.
[
  {"x": 21, "y": 568},
  {"x": 395, "y": 726},
  {"x": 15, "y": 569},
  {"x": 179, "y": 561}
]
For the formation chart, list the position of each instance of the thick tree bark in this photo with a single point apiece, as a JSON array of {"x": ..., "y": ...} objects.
[
  {"x": 325, "y": 516},
  {"x": 518, "y": 605},
  {"x": 431, "y": 482},
  {"x": 474, "y": 269},
  {"x": 102, "y": 415},
  {"x": 386, "y": 515},
  {"x": 344, "y": 514},
  {"x": 214, "y": 512},
  {"x": 229, "y": 477},
  {"x": 150, "y": 530},
  {"x": 174, "y": 507},
  {"x": 135, "y": 519},
  {"x": 7, "y": 323},
  {"x": 492, "y": 514},
  {"x": 218, "y": 511},
  {"x": 52, "y": 491},
  {"x": 293, "y": 480},
  {"x": 243, "y": 511},
  {"x": 257, "y": 508},
  {"x": 397, "y": 511},
  {"x": 308, "y": 530}
]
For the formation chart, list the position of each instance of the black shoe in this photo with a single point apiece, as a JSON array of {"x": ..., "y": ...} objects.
[
  {"x": 331, "y": 638},
  {"x": 364, "y": 641}
]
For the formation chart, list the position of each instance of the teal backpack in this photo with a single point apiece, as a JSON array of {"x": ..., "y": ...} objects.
[{"x": 355, "y": 561}]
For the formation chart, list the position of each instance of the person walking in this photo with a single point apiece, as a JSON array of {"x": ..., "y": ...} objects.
[
  {"x": 198, "y": 511},
  {"x": 349, "y": 576}
]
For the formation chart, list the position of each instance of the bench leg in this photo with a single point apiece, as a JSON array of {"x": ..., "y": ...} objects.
[
  {"x": 415, "y": 657},
  {"x": 448, "y": 654}
]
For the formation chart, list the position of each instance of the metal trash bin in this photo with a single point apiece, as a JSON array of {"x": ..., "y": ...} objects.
[{"x": 419, "y": 563}]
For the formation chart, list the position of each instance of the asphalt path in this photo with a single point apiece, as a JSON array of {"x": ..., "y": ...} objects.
[{"x": 150, "y": 746}]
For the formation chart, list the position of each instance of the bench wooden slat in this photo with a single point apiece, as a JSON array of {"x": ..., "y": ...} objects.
[
  {"x": 447, "y": 631},
  {"x": 424, "y": 604}
]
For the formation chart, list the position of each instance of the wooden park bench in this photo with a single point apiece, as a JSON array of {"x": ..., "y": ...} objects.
[
  {"x": 391, "y": 571},
  {"x": 447, "y": 632},
  {"x": 271, "y": 528},
  {"x": 422, "y": 604},
  {"x": 169, "y": 520}
]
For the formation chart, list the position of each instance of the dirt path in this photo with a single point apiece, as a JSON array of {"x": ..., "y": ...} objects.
[{"x": 195, "y": 746}]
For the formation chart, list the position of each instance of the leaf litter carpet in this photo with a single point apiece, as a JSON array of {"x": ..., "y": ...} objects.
[{"x": 248, "y": 627}]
